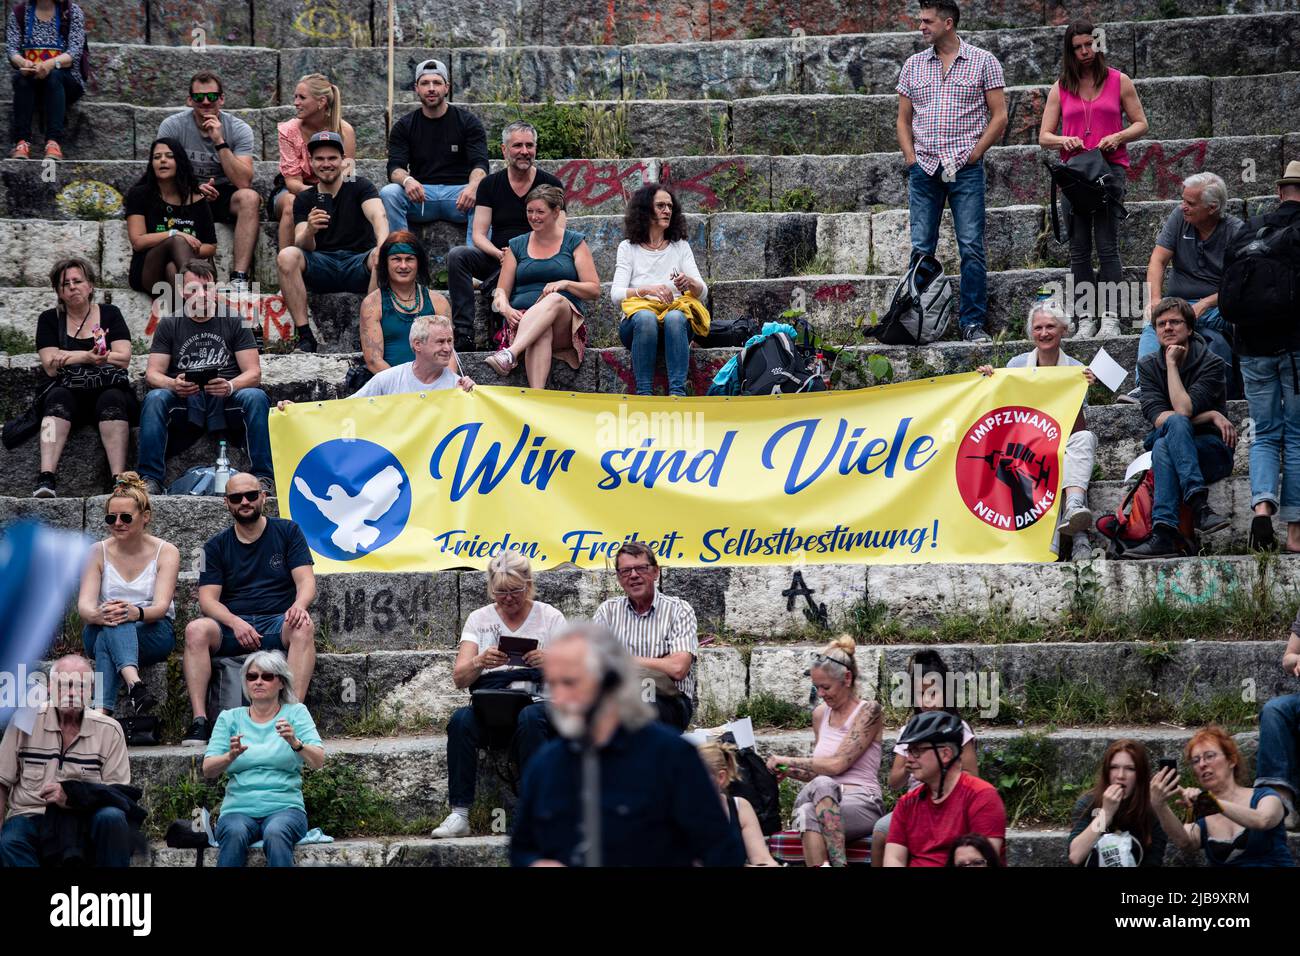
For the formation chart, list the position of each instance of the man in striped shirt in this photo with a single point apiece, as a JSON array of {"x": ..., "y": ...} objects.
[
  {"x": 951, "y": 109},
  {"x": 658, "y": 630}
]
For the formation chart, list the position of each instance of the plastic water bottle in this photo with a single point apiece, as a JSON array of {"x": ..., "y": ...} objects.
[{"x": 221, "y": 474}]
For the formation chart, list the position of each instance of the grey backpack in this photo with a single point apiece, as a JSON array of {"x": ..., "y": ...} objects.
[
  {"x": 921, "y": 308},
  {"x": 225, "y": 689}
]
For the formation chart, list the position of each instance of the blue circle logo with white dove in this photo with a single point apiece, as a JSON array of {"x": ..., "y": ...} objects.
[{"x": 350, "y": 497}]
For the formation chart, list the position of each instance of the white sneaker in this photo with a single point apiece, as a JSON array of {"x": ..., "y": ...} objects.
[
  {"x": 1081, "y": 549},
  {"x": 454, "y": 826},
  {"x": 1076, "y": 519},
  {"x": 1086, "y": 329},
  {"x": 1109, "y": 326}
]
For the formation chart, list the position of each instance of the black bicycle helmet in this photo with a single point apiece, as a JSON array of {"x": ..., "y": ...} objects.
[{"x": 932, "y": 728}]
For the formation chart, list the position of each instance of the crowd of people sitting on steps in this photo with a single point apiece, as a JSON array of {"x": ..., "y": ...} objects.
[{"x": 624, "y": 681}]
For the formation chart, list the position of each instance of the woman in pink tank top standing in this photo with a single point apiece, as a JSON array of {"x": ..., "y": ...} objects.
[
  {"x": 1089, "y": 103},
  {"x": 841, "y": 801}
]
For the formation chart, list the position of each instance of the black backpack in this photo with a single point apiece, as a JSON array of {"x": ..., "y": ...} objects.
[
  {"x": 728, "y": 334},
  {"x": 1259, "y": 287},
  {"x": 758, "y": 785},
  {"x": 1088, "y": 182},
  {"x": 779, "y": 364},
  {"x": 65, "y": 28},
  {"x": 921, "y": 307}
]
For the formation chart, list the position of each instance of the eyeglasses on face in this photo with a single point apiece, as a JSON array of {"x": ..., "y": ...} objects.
[
  {"x": 1205, "y": 757},
  {"x": 235, "y": 497},
  {"x": 510, "y": 592},
  {"x": 627, "y": 572},
  {"x": 205, "y": 97},
  {"x": 254, "y": 677},
  {"x": 664, "y": 205},
  {"x": 112, "y": 519}
]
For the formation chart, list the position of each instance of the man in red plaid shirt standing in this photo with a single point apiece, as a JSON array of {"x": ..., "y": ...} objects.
[{"x": 951, "y": 109}]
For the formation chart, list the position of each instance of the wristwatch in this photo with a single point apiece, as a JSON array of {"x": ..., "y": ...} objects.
[
  {"x": 221, "y": 146},
  {"x": 298, "y": 748}
]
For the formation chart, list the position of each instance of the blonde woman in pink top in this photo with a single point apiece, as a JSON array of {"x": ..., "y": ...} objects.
[
  {"x": 841, "y": 800},
  {"x": 1089, "y": 103},
  {"x": 318, "y": 106}
]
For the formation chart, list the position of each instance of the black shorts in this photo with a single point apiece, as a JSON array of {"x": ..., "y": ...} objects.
[
  {"x": 83, "y": 406},
  {"x": 220, "y": 206}
]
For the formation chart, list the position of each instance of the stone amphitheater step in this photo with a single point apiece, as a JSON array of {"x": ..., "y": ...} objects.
[
  {"x": 726, "y": 69},
  {"x": 352, "y": 691},
  {"x": 859, "y": 182},
  {"x": 1024, "y": 848},
  {"x": 1177, "y": 108},
  {"x": 411, "y": 772},
  {"x": 294, "y": 23},
  {"x": 727, "y": 245}
]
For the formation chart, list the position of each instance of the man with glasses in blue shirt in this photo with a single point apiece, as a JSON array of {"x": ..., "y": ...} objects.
[{"x": 659, "y": 631}]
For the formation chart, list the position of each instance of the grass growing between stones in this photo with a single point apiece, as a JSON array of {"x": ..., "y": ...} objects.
[
  {"x": 1027, "y": 773},
  {"x": 391, "y": 721},
  {"x": 1060, "y": 702},
  {"x": 767, "y": 711}
]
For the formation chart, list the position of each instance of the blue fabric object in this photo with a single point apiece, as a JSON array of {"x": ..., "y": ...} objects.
[
  {"x": 267, "y": 776},
  {"x": 641, "y": 332},
  {"x": 132, "y": 644},
  {"x": 256, "y": 578},
  {"x": 965, "y": 197},
  {"x": 1184, "y": 464}
]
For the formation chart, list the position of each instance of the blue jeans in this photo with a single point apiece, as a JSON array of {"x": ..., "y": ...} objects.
[
  {"x": 640, "y": 333},
  {"x": 1279, "y": 725},
  {"x": 965, "y": 196},
  {"x": 110, "y": 839},
  {"x": 156, "y": 413},
  {"x": 1213, "y": 328},
  {"x": 1275, "y": 408},
  {"x": 337, "y": 271},
  {"x": 279, "y": 832},
  {"x": 60, "y": 90},
  {"x": 439, "y": 205},
  {"x": 1184, "y": 463},
  {"x": 464, "y": 733},
  {"x": 127, "y": 645},
  {"x": 270, "y": 626}
]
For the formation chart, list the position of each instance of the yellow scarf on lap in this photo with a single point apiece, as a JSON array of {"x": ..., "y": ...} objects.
[{"x": 696, "y": 314}]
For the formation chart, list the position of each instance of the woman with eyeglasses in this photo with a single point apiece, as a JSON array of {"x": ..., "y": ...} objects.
[
  {"x": 481, "y": 664},
  {"x": 658, "y": 287},
  {"x": 261, "y": 749},
  {"x": 974, "y": 849},
  {"x": 1234, "y": 824},
  {"x": 126, "y": 597},
  {"x": 841, "y": 799}
]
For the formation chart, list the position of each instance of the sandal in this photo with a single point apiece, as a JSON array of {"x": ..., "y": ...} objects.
[{"x": 502, "y": 362}]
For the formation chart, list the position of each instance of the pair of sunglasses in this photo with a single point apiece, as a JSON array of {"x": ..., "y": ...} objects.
[
  {"x": 112, "y": 519},
  {"x": 255, "y": 676},
  {"x": 205, "y": 97},
  {"x": 235, "y": 497}
]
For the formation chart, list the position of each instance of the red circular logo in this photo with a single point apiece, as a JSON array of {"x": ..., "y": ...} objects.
[{"x": 1007, "y": 467}]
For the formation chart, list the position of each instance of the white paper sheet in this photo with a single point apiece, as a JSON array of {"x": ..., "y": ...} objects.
[{"x": 1109, "y": 372}]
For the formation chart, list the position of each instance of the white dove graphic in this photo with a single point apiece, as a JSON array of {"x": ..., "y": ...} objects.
[{"x": 349, "y": 513}]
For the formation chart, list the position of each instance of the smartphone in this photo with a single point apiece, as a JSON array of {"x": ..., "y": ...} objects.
[
  {"x": 1167, "y": 763},
  {"x": 326, "y": 202},
  {"x": 201, "y": 376}
]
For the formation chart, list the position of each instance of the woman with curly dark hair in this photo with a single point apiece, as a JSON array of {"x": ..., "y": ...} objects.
[
  {"x": 658, "y": 287},
  {"x": 168, "y": 221}
]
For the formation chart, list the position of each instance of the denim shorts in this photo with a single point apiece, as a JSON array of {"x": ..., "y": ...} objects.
[
  {"x": 337, "y": 271},
  {"x": 268, "y": 625}
]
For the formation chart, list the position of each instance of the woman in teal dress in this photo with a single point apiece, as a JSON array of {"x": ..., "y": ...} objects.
[{"x": 545, "y": 275}]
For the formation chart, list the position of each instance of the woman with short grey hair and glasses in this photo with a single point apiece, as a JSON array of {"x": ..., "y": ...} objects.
[
  {"x": 262, "y": 748},
  {"x": 482, "y": 664}
]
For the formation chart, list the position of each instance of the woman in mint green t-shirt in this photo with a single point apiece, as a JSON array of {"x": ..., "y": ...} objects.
[{"x": 261, "y": 749}]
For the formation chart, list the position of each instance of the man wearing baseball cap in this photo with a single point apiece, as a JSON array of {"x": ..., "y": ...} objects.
[
  {"x": 338, "y": 226},
  {"x": 436, "y": 156},
  {"x": 1268, "y": 349}
]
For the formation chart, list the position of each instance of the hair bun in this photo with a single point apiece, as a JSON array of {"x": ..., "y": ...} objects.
[
  {"x": 844, "y": 643},
  {"x": 129, "y": 479}
]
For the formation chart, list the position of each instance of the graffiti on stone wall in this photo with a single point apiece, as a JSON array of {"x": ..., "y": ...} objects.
[
  {"x": 699, "y": 376},
  {"x": 266, "y": 313},
  {"x": 590, "y": 183},
  {"x": 814, "y": 612}
]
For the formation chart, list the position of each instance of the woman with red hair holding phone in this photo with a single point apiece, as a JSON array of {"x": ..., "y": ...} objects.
[{"x": 1234, "y": 824}]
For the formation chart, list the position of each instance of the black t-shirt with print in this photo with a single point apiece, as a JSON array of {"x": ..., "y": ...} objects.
[
  {"x": 192, "y": 344},
  {"x": 159, "y": 216},
  {"x": 349, "y": 229}
]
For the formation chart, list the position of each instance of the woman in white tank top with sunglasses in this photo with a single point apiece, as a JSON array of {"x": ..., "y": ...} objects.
[{"x": 126, "y": 598}]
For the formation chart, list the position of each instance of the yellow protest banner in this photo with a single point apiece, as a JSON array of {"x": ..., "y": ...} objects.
[{"x": 960, "y": 468}]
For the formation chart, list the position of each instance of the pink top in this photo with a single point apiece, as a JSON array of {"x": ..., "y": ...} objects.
[
  {"x": 1093, "y": 120},
  {"x": 294, "y": 160},
  {"x": 865, "y": 771}
]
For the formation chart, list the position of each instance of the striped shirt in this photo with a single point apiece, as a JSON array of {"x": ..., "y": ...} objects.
[
  {"x": 949, "y": 113},
  {"x": 667, "y": 628},
  {"x": 29, "y": 761}
]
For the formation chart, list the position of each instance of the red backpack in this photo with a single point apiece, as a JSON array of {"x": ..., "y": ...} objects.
[{"x": 1131, "y": 523}]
